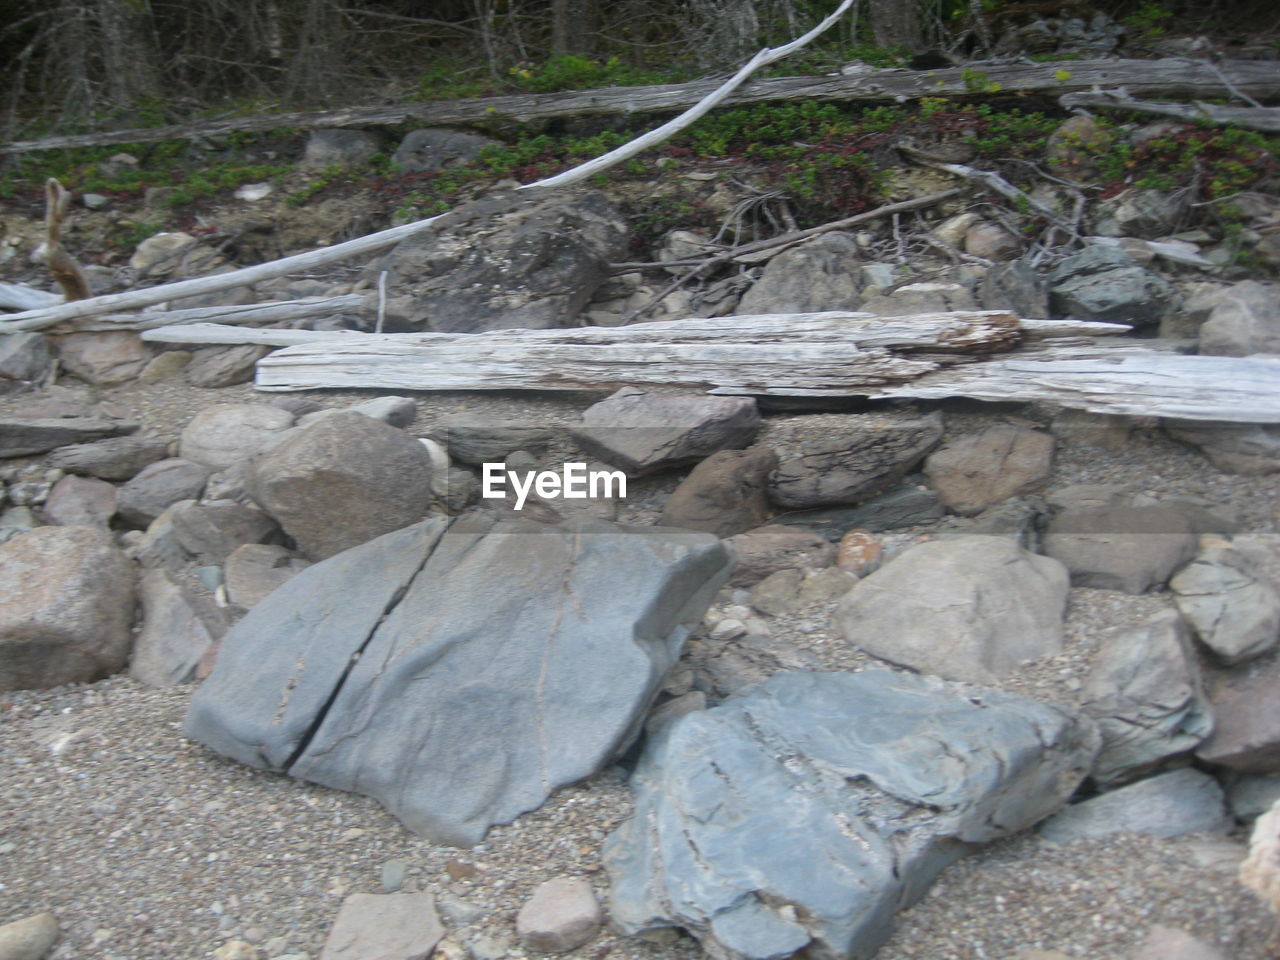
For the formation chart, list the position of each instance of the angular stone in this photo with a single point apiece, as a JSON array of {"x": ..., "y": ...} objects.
[
  {"x": 437, "y": 148},
  {"x": 1246, "y": 719},
  {"x": 254, "y": 570},
  {"x": 497, "y": 662},
  {"x": 209, "y": 532},
  {"x": 1122, "y": 545},
  {"x": 968, "y": 608},
  {"x": 991, "y": 242},
  {"x": 20, "y": 437},
  {"x": 1144, "y": 690},
  {"x": 1138, "y": 212},
  {"x": 116, "y": 458},
  {"x": 390, "y": 926},
  {"x": 341, "y": 481},
  {"x": 922, "y": 297},
  {"x": 835, "y": 459},
  {"x": 165, "y": 365},
  {"x": 1245, "y": 321},
  {"x": 30, "y": 938},
  {"x": 980, "y": 470},
  {"x": 771, "y": 548},
  {"x": 343, "y": 147},
  {"x": 176, "y": 632},
  {"x": 223, "y": 366},
  {"x": 1249, "y": 449},
  {"x": 778, "y": 594},
  {"x": 1019, "y": 518},
  {"x": 562, "y": 915},
  {"x": 103, "y": 358},
  {"x": 158, "y": 487},
  {"x": 859, "y": 553},
  {"x": 909, "y": 505},
  {"x": 161, "y": 253},
  {"x": 1170, "y": 943},
  {"x": 476, "y": 441},
  {"x": 806, "y": 813},
  {"x": 1231, "y": 604},
  {"x": 393, "y": 411},
  {"x": 724, "y": 494},
  {"x": 534, "y": 267},
  {"x": 821, "y": 274},
  {"x": 1014, "y": 286},
  {"x": 24, "y": 356},
  {"x": 82, "y": 501},
  {"x": 221, "y": 435},
  {"x": 1103, "y": 283},
  {"x": 69, "y": 596},
  {"x": 1169, "y": 805},
  {"x": 642, "y": 431}
]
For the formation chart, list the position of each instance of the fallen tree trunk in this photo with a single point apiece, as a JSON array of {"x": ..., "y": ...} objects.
[
  {"x": 1264, "y": 119},
  {"x": 1144, "y": 78},
  {"x": 284, "y": 311},
  {"x": 814, "y": 354}
]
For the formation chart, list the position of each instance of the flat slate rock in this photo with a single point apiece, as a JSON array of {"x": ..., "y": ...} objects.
[
  {"x": 20, "y": 437},
  {"x": 459, "y": 671},
  {"x": 806, "y": 813},
  {"x": 1169, "y": 805}
]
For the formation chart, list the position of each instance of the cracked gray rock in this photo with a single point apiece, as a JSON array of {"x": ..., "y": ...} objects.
[{"x": 805, "y": 814}]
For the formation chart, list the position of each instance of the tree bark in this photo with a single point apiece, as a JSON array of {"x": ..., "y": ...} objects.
[{"x": 1142, "y": 78}]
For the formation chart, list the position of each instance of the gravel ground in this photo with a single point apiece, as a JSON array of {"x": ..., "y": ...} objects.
[{"x": 146, "y": 845}]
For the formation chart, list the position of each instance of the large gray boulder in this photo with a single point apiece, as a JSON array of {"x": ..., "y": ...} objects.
[
  {"x": 977, "y": 471},
  {"x": 643, "y": 431},
  {"x": 835, "y": 459},
  {"x": 222, "y": 435},
  {"x": 1103, "y": 283},
  {"x": 341, "y": 481},
  {"x": 1169, "y": 805},
  {"x": 1249, "y": 449},
  {"x": 1246, "y": 320},
  {"x": 1230, "y": 601},
  {"x": 1144, "y": 690},
  {"x": 805, "y": 814},
  {"x": 967, "y": 608},
  {"x": 438, "y": 148},
  {"x": 68, "y": 606},
  {"x": 534, "y": 267},
  {"x": 821, "y": 274},
  {"x": 460, "y": 671}
]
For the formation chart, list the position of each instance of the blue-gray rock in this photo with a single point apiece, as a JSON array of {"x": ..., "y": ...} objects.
[
  {"x": 806, "y": 813},
  {"x": 1168, "y": 805},
  {"x": 21, "y": 436},
  {"x": 159, "y": 486},
  {"x": 460, "y": 670},
  {"x": 1014, "y": 286},
  {"x": 1144, "y": 689},
  {"x": 24, "y": 356},
  {"x": 1248, "y": 449},
  {"x": 965, "y": 608},
  {"x": 821, "y": 274},
  {"x": 1231, "y": 604},
  {"x": 1103, "y": 283},
  {"x": 116, "y": 458},
  {"x": 436, "y": 148},
  {"x": 905, "y": 506}
]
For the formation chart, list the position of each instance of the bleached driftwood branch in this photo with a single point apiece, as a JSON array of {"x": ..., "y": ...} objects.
[
  {"x": 226, "y": 334},
  {"x": 17, "y": 296},
  {"x": 1265, "y": 119},
  {"x": 284, "y": 311},
  {"x": 361, "y": 246}
]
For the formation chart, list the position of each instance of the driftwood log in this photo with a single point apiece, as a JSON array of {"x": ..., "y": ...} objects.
[
  {"x": 1264, "y": 119},
  {"x": 284, "y": 311},
  {"x": 1141, "y": 78}
]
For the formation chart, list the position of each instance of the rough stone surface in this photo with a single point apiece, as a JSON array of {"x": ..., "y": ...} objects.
[
  {"x": 176, "y": 632},
  {"x": 475, "y": 441},
  {"x": 1014, "y": 286},
  {"x": 116, "y": 458},
  {"x": 343, "y": 147},
  {"x": 24, "y": 356},
  {"x": 161, "y": 253},
  {"x": 20, "y": 436},
  {"x": 436, "y": 148},
  {"x": 922, "y": 297},
  {"x": 1246, "y": 719},
  {"x": 82, "y": 501},
  {"x": 393, "y": 411},
  {"x": 103, "y": 358},
  {"x": 1169, "y": 805},
  {"x": 1250, "y": 795},
  {"x": 821, "y": 274},
  {"x": 223, "y": 366},
  {"x": 1103, "y": 283},
  {"x": 254, "y": 570},
  {"x": 30, "y": 938},
  {"x": 1245, "y": 321},
  {"x": 807, "y": 812},
  {"x": 465, "y": 721},
  {"x": 968, "y": 608},
  {"x": 461, "y": 281},
  {"x": 771, "y": 548},
  {"x": 69, "y": 597},
  {"x": 1137, "y": 212},
  {"x": 642, "y": 431},
  {"x": 779, "y": 593},
  {"x": 1170, "y": 943},
  {"x": 221, "y": 435},
  {"x": 837, "y": 460},
  {"x": 908, "y": 505},
  {"x": 209, "y": 532},
  {"x": 158, "y": 487},
  {"x": 1232, "y": 605},
  {"x": 991, "y": 242},
  {"x": 1122, "y": 544},
  {"x": 562, "y": 914},
  {"x": 724, "y": 494},
  {"x": 384, "y": 926},
  {"x": 1144, "y": 690},
  {"x": 1244, "y": 448},
  {"x": 341, "y": 481},
  {"x": 980, "y": 470}
]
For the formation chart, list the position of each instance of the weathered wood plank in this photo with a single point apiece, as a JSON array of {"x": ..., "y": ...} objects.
[
  {"x": 1142, "y": 78},
  {"x": 283, "y": 311}
]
